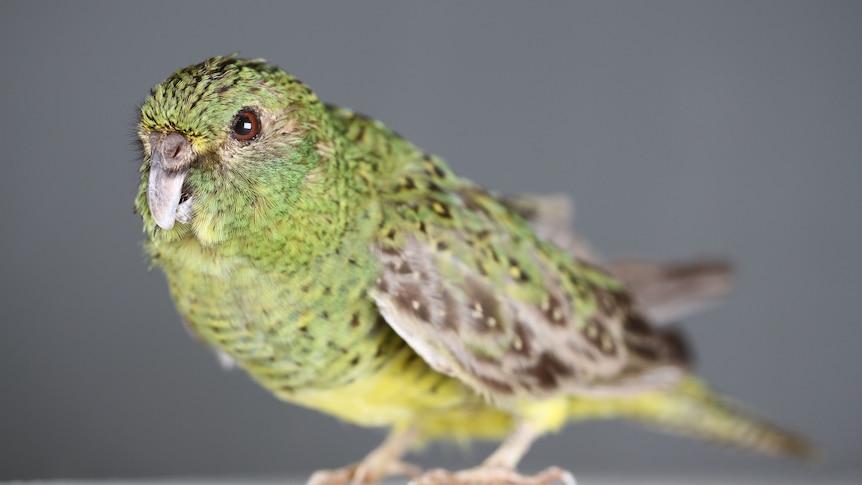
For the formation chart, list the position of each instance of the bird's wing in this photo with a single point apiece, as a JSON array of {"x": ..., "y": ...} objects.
[
  {"x": 663, "y": 292},
  {"x": 668, "y": 292},
  {"x": 474, "y": 291}
]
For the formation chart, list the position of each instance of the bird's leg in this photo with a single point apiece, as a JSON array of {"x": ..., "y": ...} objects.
[
  {"x": 513, "y": 449},
  {"x": 384, "y": 461},
  {"x": 499, "y": 468}
]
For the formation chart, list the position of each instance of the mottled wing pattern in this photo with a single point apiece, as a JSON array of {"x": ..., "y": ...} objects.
[
  {"x": 663, "y": 292},
  {"x": 479, "y": 296}
]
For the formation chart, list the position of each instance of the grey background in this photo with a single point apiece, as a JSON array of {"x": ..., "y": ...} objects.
[{"x": 680, "y": 128}]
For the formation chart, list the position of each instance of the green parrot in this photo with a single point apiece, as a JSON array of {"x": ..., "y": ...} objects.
[{"x": 348, "y": 271}]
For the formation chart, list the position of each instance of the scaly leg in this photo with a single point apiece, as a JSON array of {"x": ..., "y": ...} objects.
[
  {"x": 499, "y": 468},
  {"x": 384, "y": 461}
]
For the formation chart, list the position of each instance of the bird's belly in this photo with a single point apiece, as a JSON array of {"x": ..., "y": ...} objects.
[{"x": 405, "y": 391}]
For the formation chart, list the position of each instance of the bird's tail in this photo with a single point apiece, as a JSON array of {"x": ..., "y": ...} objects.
[{"x": 690, "y": 408}]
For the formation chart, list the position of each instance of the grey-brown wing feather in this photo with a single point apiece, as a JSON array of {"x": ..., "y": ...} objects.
[
  {"x": 663, "y": 292},
  {"x": 480, "y": 297},
  {"x": 668, "y": 292}
]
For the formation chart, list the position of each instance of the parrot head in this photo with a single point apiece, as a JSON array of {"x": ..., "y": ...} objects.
[{"x": 222, "y": 141}]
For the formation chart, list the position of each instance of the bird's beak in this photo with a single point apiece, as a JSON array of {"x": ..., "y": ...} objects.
[{"x": 170, "y": 157}]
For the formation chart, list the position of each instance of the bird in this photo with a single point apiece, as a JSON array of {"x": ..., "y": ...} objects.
[{"x": 348, "y": 271}]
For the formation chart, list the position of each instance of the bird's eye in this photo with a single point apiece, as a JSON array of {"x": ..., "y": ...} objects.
[{"x": 246, "y": 125}]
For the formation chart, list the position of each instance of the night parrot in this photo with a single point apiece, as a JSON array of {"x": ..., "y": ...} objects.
[{"x": 348, "y": 271}]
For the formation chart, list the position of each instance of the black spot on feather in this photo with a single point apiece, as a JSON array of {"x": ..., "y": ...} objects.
[
  {"x": 486, "y": 313},
  {"x": 636, "y": 325},
  {"x": 524, "y": 338},
  {"x": 441, "y": 209},
  {"x": 548, "y": 370},
  {"x": 411, "y": 299},
  {"x": 496, "y": 386}
]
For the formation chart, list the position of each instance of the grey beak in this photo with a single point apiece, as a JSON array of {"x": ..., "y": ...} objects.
[{"x": 170, "y": 158}]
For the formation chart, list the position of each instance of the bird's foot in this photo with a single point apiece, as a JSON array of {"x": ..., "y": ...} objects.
[
  {"x": 365, "y": 472},
  {"x": 489, "y": 475}
]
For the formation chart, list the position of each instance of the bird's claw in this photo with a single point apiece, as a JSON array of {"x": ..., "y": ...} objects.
[
  {"x": 493, "y": 476},
  {"x": 363, "y": 473}
]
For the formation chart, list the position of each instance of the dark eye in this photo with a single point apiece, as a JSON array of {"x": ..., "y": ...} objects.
[{"x": 246, "y": 125}]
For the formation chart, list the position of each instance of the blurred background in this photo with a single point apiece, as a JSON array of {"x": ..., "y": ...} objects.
[{"x": 679, "y": 128}]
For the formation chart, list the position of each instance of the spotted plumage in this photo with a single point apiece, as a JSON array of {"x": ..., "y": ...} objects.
[
  {"x": 501, "y": 305},
  {"x": 346, "y": 270}
]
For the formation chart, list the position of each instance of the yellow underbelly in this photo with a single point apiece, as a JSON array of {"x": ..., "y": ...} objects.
[{"x": 405, "y": 392}]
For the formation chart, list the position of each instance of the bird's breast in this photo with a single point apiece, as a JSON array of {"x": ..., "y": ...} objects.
[{"x": 290, "y": 328}]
